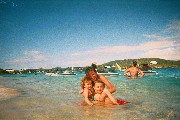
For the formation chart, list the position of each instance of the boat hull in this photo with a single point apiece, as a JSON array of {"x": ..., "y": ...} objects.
[
  {"x": 150, "y": 72},
  {"x": 108, "y": 74},
  {"x": 62, "y": 74}
]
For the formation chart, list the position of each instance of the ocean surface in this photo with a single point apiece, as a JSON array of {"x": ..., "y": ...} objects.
[{"x": 153, "y": 97}]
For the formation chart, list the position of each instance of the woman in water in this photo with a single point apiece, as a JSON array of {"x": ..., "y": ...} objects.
[{"x": 91, "y": 73}]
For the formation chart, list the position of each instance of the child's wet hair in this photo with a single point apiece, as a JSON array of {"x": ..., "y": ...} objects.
[
  {"x": 83, "y": 81},
  {"x": 99, "y": 81}
]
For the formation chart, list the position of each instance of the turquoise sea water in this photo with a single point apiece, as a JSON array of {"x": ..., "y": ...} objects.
[{"x": 153, "y": 97}]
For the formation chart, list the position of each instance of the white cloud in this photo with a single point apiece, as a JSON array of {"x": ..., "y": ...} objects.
[
  {"x": 168, "y": 53},
  {"x": 173, "y": 29},
  {"x": 30, "y": 59},
  {"x": 126, "y": 49},
  {"x": 159, "y": 47},
  {"x": 30, "y": 56},
  {"x": 174, "y": 26},
  {"x": 156, "y": 37},
  {"x": 35, "y": 56},
  {"x": 165, "y": 46},
  {"x": 154, "y": 49}
]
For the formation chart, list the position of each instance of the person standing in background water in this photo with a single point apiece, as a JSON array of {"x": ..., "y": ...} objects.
[{"x": 133, "y": 71}]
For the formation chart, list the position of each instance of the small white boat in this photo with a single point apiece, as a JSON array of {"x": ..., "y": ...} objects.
[
  {"x": 65, "y": 73},
  {"x": 52, "y": 74},
  {"x": 108, "y": 73},
  {"x": 150, "y": 71},
  {"x": 49, "y": 74},
  {"x": 147, "y": 69}
]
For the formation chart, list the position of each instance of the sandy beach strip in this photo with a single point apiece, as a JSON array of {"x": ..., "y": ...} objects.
[{"x": 6, "y": 93}]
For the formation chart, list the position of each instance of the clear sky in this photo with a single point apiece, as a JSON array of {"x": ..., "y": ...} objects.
[{"x": 61, "y": 33}]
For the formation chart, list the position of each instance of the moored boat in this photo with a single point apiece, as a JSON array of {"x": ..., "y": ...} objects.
[
  {"x": 65, "y": 73},
  {"x": 147, "y": 69},
  {"x": 108, "y": 71}
]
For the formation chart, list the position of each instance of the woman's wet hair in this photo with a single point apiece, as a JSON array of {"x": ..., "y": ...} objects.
[
  {"x": 94, "y": 66},
  {"x": 87, "y": 71},
  {"x": 83, "y": 81}
]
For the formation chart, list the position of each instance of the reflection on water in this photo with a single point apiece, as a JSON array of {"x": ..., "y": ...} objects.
[{"x": 44, "y": 97}]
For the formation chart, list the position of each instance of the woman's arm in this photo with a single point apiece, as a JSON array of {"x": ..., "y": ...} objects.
[
  {"x": 126, "y": 73},
  {"x": 141, "y": 72},
  {"x": 86, "y": 97},
  {"x": 110, "y": 96},
  {"x": 111, "y": 88}
]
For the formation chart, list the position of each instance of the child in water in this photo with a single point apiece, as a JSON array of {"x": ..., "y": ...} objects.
[
  {"x": 99, "y": 95},
  {"x": 102, "y": 95},
  {"x": 87, "y": 91}
]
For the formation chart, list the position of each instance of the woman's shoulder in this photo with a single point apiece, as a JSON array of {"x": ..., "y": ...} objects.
[{"x": 102, "y": 77}]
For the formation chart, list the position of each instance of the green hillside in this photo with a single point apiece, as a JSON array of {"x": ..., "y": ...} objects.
[{"x": 161, "y": 63}]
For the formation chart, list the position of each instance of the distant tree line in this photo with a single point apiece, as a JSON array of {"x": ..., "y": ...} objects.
[{"x": 161, "y": 63}]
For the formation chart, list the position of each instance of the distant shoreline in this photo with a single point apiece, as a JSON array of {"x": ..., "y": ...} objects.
[{"x": 160, "y": 63}]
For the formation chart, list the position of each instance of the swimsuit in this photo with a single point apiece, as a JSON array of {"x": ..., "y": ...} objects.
[
  {"x": 91, "y": 98},
  {"x": 121, "y": 102}
]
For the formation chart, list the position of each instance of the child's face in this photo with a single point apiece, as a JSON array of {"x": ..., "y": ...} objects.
[
  {"x": 88, "y": 84},
  {"x": 98, "y": 87}
]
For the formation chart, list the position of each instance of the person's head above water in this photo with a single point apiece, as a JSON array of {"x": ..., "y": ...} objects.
[
  {"x": 134, "y": 63},
  {"x": 91, "y": 73},
  {"x": 86, "y": 83},
  {"x": 99, "y": 86}
]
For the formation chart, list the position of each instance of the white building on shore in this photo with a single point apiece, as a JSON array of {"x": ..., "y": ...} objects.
[
  {"x": 10, "y": 70},
  {"x": 153, "y": 62}
]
